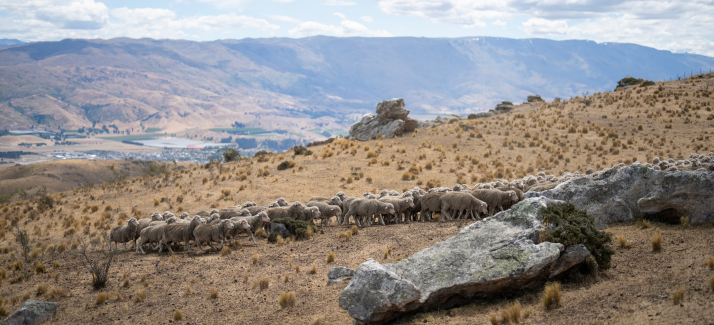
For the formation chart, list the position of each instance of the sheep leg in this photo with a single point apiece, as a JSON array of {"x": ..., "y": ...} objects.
[
  {"x": 141, "y": 247},
  {"x": 444, "y": 214},
  {"x": 381, "y": 220},
  {"x": 200, "y": 246},
  {"x": 221, "y": 245},
  {"x": 124, "y": 247}
]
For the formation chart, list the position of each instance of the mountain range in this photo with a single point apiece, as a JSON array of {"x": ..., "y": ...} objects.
[{"x": 303, "y": 84}]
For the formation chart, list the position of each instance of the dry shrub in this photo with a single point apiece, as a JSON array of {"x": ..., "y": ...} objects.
[
  {"x": 678, "y": 296},
  {"x": 101, "y": 298},
  {"x": 41, "y": 289},
  {"x": 657, "y": 241},
  {"x": 263, "y": 284},
  {"x": 622, "y": 242},
  {"x": 313, "y": 269},
  {"x": 684, "y": 221},
  {"x": 286, "y": 279},
  {"x": 213, "y": 293},
  {"x": 226, "y": 250},
  {"x": 261, "y": 233},
  {"x": 255, "y": 258},
  {"x": 319, "y": 320},
  {"x": 645, "y": 224},
  {"x": 177, "y": 315},
  {"x": 287, "y": 299},
  {"x": 54, "y": 292},
  {"x": 515, "y": 312},
  {"x": 551, "y": 298},
  {"x": 355, "y": 230},
  {"x": 330, "y": 257}
]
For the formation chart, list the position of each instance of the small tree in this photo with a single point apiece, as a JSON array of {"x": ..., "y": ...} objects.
[
  {"x": 229, "y": 154},
  {"x": 98, "y": 268},
  {"x": 23, "y": 238}
]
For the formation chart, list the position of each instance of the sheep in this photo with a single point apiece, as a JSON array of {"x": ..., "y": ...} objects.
[
  {"x": 185, "y": 215},
  {"x": 208, "y": 234},
  {"x": 430, "y": 203},
  {"x": 335, "y": 200},
  {"x": 495, "y": 198},
  {"x": 341, "y": 195},
  {"x": 143, "y": 223},
  {"x": 401, "y": 204},
  {"x": 123, "y": 234},
  {"x": 394, "y": 193},
  {"x": 256, "y": 221},
  {"x": 249, "y": 204},
  {"x": 282, "y": 202},
  {"x": 462, "y": 201},
  {"x": 163, "y": 222},
  {"x": 273, "y": 205},
  {"x": 240, "y": 225},
  {"x": 230, "y": 212},
  {"x": 346, "y": 206},
  {"x": 255, "y": 209},
  {"x": 293, "y": 211},
  {"x": 167, "y": 214},
  {"x": 518, "y": 191},
  {"x": 153, "y": 233},
  {"x": 180, "y": 232},
  {"x": 368, "y": 208},
  {"x": 203, "y": 213},
  {"x": 327, "y": 210},
  {"x": 308, "y": 214}
]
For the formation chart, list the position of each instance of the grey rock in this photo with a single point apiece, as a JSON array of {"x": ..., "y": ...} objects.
[
  {"x": 31, "y": 312},
  {"x": 391, "y": 120},
  {"x": 621, "y": 195},
  {"x": 338, "y": 274},
  {"x": 494, "y": 256},
  {"x": 573, "y": 256},
  {"x": 280, "y": 229},
  {"x": 534, "y": 98}
]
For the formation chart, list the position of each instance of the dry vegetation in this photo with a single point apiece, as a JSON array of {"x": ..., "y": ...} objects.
[{"x": 652, "y": 264}]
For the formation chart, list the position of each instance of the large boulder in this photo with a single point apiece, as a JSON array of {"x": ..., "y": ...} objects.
[
  {"x": 623, "y": 194},
  {"x": 391, "y": 120},
  {"x": 491, "y": 257},
  {"x": 31, "y": 312}
]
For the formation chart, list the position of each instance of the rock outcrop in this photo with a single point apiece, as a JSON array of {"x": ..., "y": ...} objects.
[
  {"x": 338, "y": 274},
  {"x": 31, "y": 312},
  {"x": 494, "y": 256},
  {"x": 623, "y": 194},
  {"x": 503, "y": 107},
  {"x": 391, "y": 120}
]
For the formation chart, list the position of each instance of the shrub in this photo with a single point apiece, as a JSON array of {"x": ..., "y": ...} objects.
[
  {"x": 570, "y": 226},
  {"x": 273, "y": 237},
  {"x": 622, "y": 242},
  {"x": 331, "y": 257},
  {"x": 286, "y": 164},
  {"x": 657, "y": 240},
  {"x": 177, "y": 315},
  {"x": 709, "y": 263},
  {"x": 300, "y": 150},
  {"x": 301, "y": 229},
  {"x": 139, "y": 296},
  {"x": 678, "y": 296},
  {"x": 213, "y": 293},
  {"x": 98, "y": 269},
  {"x": 313, "y": 269},
  {"x": 287, "y": 299},
  {"x": 551, "y": 298}
]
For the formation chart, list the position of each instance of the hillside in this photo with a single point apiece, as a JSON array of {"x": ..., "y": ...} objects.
[
  {"x": 668, "y": 119},
  {"x": 308, "y": 87}
]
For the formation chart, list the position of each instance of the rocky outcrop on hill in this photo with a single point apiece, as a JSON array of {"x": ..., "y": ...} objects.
[
  {"x": 495, "y": 256},
  {"x": 31, "y": 312},
  {"x": 621, "y": 194},
  {"x": 503, "y": 107},
  {"x": 391, "y": 120}
]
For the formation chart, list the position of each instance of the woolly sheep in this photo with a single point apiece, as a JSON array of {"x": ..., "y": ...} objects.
[
  {"x": 143, "y": 223},
  {"x": 335, "y": 200},
  {"x": 308, "y": 214},
  {"x": 367, "y": 208},
  {"x": 123, "y": 234},
  {"x": 282, "y": 202},
  {"x": 239, "y": 226},
  {"x": 249, "y": 204},
  {"x": 230, "y": 212},
  {"x": 207, "y": 234},
  {"x": 462, "y": 201},
  {"x": 256, "y": 221},
  {"x": 430, "y": 203},
  {"x": 153, "y": 233},
  {"x": 179, "y": 233},
  {"x": 495, "y": 198},
  {"x": 400, "y": 205},
  {"x": 327, "y": 210}
]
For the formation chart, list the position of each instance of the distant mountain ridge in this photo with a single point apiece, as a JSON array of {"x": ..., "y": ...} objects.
[
  {"x": 10, "y": 41},
  {"x": 302, "y": 84}
]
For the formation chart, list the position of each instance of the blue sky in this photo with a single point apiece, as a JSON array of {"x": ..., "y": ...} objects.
[{"x": 676, "y": 25}]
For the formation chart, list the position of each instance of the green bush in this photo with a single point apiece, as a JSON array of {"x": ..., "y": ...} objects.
[
  {"x": 300, "y": 229},
  {"x": 648, "y": 83},
  {"x": 286, "y": 164},
  {"x": 300, "y": 150},
  {"x": 570, "y": 226},
  {"x": 273, "y": 237},
  {"x": 472, "y": 116}
]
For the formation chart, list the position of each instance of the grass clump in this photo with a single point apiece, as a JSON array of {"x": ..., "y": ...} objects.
[
  {"x": 313, "y": 269},
  {"x": 684, "y": 221},
  {"x": 657, "y": 240},
  {"x": 622, "y": 242},
  {"x": 287, "y": 299},
  {"x": 709, "y": 263},
  {"x": 263, "y": 283},
  {"x": 355, "y": 230},
  {"x": 226, "y": 250},
  {"x": 551, "y": 298},
  {"x": 255, "y": 258},
  {"x": 101, "y": 298},
  {"x": 213, "y": 293},
  {"x": 177, "y": 315},
  {"x": 570, "y": 226},
  {"x": 678, "y": 296},
  {"x": 330, "y": 257},
  {"x": 41, "y": 290}
]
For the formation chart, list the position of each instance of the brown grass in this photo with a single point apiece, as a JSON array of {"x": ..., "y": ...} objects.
[
  {"x": 313, "y": 269},
  {"x": 177, "y": 315},
  {"x": 255, "y": 258},
  {"x": 287, "y": 299},
  {"x": 226, "y": 250},
  {"x": 213, "y": 293},
  {"x": 552, "y": 295},
  {"x": 622, "y": 242},
  {"x": 101, "y": 298},
  {"x": 330, "y": 257},
  {"x": 41, "y": 289},
  {"x": 657, "y": 241},
  {"x": 264, "y": 283},
  {"x": 678, "y": 296},
  {"x": 709, "y": 263},
  {"x": 354, "y": 230}
]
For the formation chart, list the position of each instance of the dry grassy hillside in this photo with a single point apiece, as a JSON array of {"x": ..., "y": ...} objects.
[{"x": 667, "y": 120}]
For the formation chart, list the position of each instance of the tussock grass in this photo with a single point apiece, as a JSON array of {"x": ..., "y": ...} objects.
[
  {"x": 354, "y": 230},
  {"x": 101, "y": 298},
  {"x": 330, "y": 257},
  {"x": 551, "y": 298},
  {"x": 684, "y": 222},
  {"x": 226, "y": 250},
  {"x": 678, "y": 296},
  {"x": 41, "y": 289},
  {"x": 213, "y": 293},
  {"x": 255, "y": 258},
  {"x": 318, "y": 320},
  {"x": 177, "y": 315},
  {"x": 313, "y": 270},
  {"x": 387, "y": 252},
  {"x": 657, "y": 241},
  {"x": 263, "y": 283},
  {"x": 709, "y": 263},
  {"x": 622, "y": 242},
  {"x": 287, "y": 299}
]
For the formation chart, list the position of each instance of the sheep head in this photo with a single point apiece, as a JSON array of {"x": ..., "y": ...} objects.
[
  {"x": 171, "y": 220},
  {"x": 264, "y": 217},
  {"x": 282, "y": 202},
  {"x": 244, "y": 213}
]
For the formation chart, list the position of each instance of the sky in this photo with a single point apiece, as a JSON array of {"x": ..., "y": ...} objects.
[{"x": 677, "y": 26}]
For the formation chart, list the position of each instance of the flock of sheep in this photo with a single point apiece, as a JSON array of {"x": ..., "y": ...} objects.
[{"x": 162, "y": 230}]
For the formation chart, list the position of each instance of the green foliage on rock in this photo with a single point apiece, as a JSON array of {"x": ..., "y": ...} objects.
[
  {"x": 300, "y": 229},
  {"x": 273, "y": 237},
  {"x": 570, "y": 226}
]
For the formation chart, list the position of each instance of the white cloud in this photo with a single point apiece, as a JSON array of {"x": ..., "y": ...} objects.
[
  {"x": 677, "y": 25},
  {"x": 77, "y": 14},
  {"x": 341, "y": 15},
  {"x": 366, "y": 18},
  {"x": 285, "y": 18},
  {"x": 339, "y": 3},
  {"x": 346, "y": 28},
  {"x": 545, "y": 27}
]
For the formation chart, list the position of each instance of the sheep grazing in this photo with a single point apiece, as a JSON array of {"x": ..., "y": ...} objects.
[
  {"x": 239, "y": 226},
  {"x": 518, "y": 191},
  {"x": 335, "y": 200},
  {"x": 273, "y": 205},
  {"x": 153, "y": 233},
  {"x": 366, "y": 208},
  {"x": 163, "y": 222},
  {"x": 179, "y": 233},
  {"x": 282, "y": 202},
  {"x": 345, "y": 206},
  {"x": 214, "y": 217},
  {"x": 495, "y": 198},
  {"x": 207, "y": 234},
  {"x": 255, "y": 209},
  {"x": 308, "y": 214},
  {"x": 401, "y": 204},
  {"x": 293, "y": 211},
  {"x": 327, "y": 210},
  {"x": 123, "y": 234},
  {"x": 143, "y": 223},
  {"x": 462, "y": 201}
]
